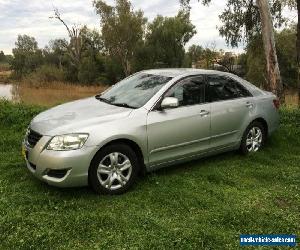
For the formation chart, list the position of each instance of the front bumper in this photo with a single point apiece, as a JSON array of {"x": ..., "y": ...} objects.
[{"x": 59, "y": 168}]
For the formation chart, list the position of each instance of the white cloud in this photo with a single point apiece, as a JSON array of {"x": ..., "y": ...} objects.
[{"x": 32, "y": 18}]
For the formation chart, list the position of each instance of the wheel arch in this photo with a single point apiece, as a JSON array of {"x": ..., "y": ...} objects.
[
  {"x": 263, "y": 122},
  {"x": 132, "y": 144}
]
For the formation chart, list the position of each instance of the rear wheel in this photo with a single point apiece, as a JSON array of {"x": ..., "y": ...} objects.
[
  {"x": 114, "y": 169},
  {"x": 254, "y": 138}
]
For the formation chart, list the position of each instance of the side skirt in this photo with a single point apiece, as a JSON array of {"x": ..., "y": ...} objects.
[{"x": 212, "y": 152}]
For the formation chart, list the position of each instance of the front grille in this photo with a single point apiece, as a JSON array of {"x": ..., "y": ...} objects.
[{"x": 33, "y": 138}]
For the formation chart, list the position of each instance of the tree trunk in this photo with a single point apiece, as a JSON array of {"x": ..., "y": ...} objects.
[
  {"x": 298, "y": 51},
  {"x": 273, "y": 73}
]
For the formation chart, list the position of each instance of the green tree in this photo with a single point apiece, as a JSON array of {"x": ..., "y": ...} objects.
[
  {"x": 122, "y": 30},
  {"x": 194, "y": 54},
  {"x": 286, "y": 43},
  {"x": 26, "y": 56},
  {"x": 80, "y": 58},
  {"x": 243, "y": 19},
  {"x": 228, "y": 60},
  {"x": 75, "y": 44},
  {"x": 208, "y": 58},
  {"x": 166, "y": 39},
  {"x": 255, "y": 62},
  {"x": 286, "y": 46},
  {"x": 2, "y": 56},
  {"x": 56, "y": 52},
  {"x": 91, "y": 65}
]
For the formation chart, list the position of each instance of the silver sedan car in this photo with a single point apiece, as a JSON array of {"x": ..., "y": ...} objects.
[{"x": 149, "y": 120}]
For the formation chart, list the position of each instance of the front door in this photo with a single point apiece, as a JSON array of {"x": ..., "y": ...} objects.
[{"x": 183, "y": 131}]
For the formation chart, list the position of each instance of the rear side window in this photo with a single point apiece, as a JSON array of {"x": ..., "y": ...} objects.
[
  {"x": 225, "y": 88},
  {"x": 190, "y": 91}
]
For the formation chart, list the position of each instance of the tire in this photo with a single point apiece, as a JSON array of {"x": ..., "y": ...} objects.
[
  {"x": 114, "y": 169},
  {"x": 252, "y": 140}
]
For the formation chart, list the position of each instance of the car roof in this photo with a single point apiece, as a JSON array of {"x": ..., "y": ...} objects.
[{"x": 181, "y": 72}]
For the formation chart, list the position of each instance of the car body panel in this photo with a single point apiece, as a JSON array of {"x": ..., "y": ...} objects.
[
  {"x": 71, "y": 117},
  {"x": 228, "y": 119},
  {"x": 165, "y": 137},
  {"x": 178, "y": 132}
]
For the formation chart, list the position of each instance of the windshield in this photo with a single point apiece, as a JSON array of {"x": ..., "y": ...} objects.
[{"x": 135, "y": 91}]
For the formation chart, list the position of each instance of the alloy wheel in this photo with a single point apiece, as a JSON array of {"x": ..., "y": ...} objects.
[
  {"x": 254, "y": 139},
  {"x": 114, "y": 171}
]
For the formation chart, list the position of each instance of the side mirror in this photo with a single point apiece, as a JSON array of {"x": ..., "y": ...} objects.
[{"x": 169, "y": 102}]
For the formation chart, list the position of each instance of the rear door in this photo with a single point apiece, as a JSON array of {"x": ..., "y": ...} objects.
[
  {"x": 231, "y": 105},
  {"x": 183, "y": 131}
]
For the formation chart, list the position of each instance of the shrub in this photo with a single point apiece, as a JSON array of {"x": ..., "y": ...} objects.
[
  {"x": 45, "y": 74},
  {"x": 88, "y": 70},
  {"x": 4, "y": 67}
]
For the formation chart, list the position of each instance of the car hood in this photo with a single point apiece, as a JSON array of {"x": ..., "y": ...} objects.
[{"x": 76, "y": 116}]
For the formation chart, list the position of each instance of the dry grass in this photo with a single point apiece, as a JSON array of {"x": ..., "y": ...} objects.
[
  {"x": 54, "y": 93},
  {"x": 4, "y": 67},
  {"x": 291, "y": 97},
  {"x": 4, "y": 75}
]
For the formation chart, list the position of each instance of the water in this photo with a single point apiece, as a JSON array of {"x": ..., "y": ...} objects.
[
  {"x": 6, "y": 91},
  {"x": 47, "y": 96}
]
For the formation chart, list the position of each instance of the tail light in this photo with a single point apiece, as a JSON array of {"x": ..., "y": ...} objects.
[{"x": 276, "y": 103}]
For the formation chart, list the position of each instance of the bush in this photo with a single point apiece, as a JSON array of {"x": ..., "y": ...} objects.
[
  {"x": 16, "y": 116},
  {"x": 45, "y": 74},
  {"x": 4, "y": 67},
  {"x": 88, "y": 70}
]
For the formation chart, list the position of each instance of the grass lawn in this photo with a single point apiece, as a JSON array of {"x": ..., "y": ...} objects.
[{"x": 204, "y": 204}]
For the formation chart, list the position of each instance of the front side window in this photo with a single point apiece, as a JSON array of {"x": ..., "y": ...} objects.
[
  {"x": 135, "y": 91},
  {"x": 225, "y": 88},
  {"x": 190, "y": 91}
]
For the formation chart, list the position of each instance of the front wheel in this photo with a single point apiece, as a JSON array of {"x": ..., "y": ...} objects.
[
  {"x": 114, "y": 169},
  {"x": 253, "y": 138}
]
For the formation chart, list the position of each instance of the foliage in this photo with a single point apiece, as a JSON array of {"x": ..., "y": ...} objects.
[
  {"x": 90, "y": 68},
  {"x": 203, "y": 204},
  {"x": 126, "y": 44},
  {"x": 56, "y": 52},
  {"x": 286, "y": 47},
  {"x": 2, "y": 57},
  {"x": 286, "y": 42},
  {"x": 204, "y": 58},
  {"x": 44, "y": 74},
  {"x": 241, "y": 19},
  {"x": 166, "y": 39},
  {"x": 194, "y": 53},
  {"x": 209, "y": 58},
  {"x": 26, "y": 56},
  {"x": 122, "y": 30},
  {"x": 256, "y": 62}
]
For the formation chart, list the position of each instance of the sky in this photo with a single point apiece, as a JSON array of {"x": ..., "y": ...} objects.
[{"x": 31, "y": 17}]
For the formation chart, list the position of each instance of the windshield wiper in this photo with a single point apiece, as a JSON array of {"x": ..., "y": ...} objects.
[
  {"x": 98, "y": 97},
  {"x": 124, "y": 105}
]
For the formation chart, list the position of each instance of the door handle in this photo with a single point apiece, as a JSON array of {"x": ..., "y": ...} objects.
[
  {"x": 204, "y": 113},
  {"x": 249, "y": 105}
]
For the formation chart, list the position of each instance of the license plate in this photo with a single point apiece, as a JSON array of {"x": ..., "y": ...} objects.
[{"x": 24, "y": 152}]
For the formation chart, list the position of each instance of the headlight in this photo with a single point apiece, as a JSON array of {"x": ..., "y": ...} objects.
[{"x": 67, "y": 142}]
